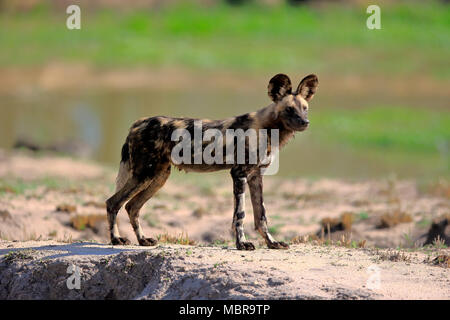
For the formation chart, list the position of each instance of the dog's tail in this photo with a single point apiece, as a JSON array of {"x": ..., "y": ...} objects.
[{"x": 125, "y": 168}]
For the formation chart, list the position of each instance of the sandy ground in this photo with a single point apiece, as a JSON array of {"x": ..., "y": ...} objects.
[
  {"x": 52, "y": 207},
  {"x": 47, "y": 197},
  {"x": 192, "y": 272}
]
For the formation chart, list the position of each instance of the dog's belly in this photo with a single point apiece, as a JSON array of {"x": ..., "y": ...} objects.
[{"x": 203, "y": 167}]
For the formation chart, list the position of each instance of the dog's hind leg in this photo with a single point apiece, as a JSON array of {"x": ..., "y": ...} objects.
[
  {"x": 259, "y": 211},
  {"x": 129, "y": 189},
  {"x": 135, "y": 204}
]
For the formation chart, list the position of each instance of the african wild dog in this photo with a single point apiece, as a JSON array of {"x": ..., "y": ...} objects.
[{"x": 146, "y": 159}]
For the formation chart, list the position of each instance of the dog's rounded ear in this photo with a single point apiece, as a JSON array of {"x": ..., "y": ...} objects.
[
  {"x": 308, "y": 86},
  {"x": 279, "y": 86}
]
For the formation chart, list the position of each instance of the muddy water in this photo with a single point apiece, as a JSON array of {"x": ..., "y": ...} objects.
[{"x": 94, "y": 125}]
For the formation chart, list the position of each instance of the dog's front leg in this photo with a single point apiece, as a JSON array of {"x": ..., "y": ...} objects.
[
  {"x": 259, "y": 211},
  {"x": 239, "y": 181}
]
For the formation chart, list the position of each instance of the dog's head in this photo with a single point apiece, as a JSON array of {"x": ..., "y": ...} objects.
[{"x": 292, "y": 107}]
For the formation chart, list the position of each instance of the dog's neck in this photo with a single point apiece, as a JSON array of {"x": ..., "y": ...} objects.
[{"x": 269, "y": 120}]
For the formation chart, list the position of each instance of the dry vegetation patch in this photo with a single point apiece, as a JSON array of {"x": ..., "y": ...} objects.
[
  {"x": 199, "y": 212},
  {"x": 67, "y": 208},
  {"x": 344, "y": 241},
  {"x": 440, "y": 188},
  {"x": 95, "y": 204},
  {"x": 182, "y": 238},
  {"x": 343, "y": 223},
  {"x": 442, "y": 260},
  {"x": 436, "y": 234},
  {"x": 92, "y": 221},
  {"x": 394, "y": 255},
  {"x": 391, "y": 219},
  {"x": 12, "y": 256},
  {"x": 4, "y": 215}
]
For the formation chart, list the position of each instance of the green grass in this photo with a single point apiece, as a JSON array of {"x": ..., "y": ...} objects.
[
  {"x": 363, "y": 215},
  {"x": 414, "y": 38},
  {"x": 424, "y": 223},
  {"x": 19, "y": 186},
  {"x": 372, "y": 141},
  {"x": 151, "y": 221},
  {"x": 26, "y": 254},
  {"x": 275, "y": 229},
  {"x": 410, "y": 130}
]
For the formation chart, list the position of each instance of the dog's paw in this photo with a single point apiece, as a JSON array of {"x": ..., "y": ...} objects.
[
  {"x": 120, "y": 241},
  {"x": 278, "y": 245},
  {"x": 148, "y": 242},
  {"x": 245, "y": 246}
]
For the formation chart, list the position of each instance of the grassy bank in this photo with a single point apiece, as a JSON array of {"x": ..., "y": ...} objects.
[
  {"x": 414, "y": 38},
  {"x": 408, "y": 130}
]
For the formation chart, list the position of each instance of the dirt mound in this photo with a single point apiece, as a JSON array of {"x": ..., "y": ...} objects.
[{"x": 46, "y": 270}]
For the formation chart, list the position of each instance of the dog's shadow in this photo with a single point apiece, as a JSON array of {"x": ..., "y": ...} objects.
[{"x": 75, "y": 249}]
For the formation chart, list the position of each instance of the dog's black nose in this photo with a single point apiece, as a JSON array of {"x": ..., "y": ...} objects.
[{"x": 305, "y": 122}]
